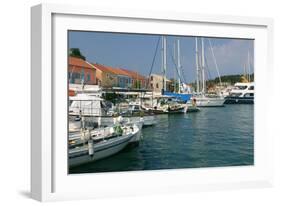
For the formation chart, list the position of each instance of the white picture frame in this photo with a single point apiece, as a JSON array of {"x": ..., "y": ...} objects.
[{"x": 49, "y": 178}]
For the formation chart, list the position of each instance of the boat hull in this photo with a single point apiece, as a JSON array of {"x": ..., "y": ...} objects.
[
  {"x": 101, "y": 150},
  {"x": 171, "y": 111},
  {"x": 192, "y": 109},
  {"x": 149, "y": 120},
  {"x": 238, "y": 100},
  {"x": 137, "y": 137},
  {"x": 210, "y": 102}
]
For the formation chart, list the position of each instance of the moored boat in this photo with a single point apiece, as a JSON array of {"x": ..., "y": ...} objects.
[
  {"x": 94, "y": 110},
  {"x": 205, "y": 101},
  {"x": 242, "y": 93},
  {"x": 202, "y": 98},
  {"x": 88, "y": 146},
  {"x": 167, "y": 105}
]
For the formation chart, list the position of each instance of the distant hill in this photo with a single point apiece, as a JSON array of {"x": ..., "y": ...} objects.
[{"x": 232, "y": 79}]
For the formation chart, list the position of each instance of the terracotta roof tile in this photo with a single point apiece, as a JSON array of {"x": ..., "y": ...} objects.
[
  {"x": 134, "y": 75},
  {"x": 103, "y": 68},
  {"x": 79, "y": 62},
  {"x": 120, "y": 71}
]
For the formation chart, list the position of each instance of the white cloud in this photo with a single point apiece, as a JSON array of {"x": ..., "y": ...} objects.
[{"x": 230, "y": 56}]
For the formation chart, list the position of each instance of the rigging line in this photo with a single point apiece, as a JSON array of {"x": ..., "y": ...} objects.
[
  {"x": 155, "y": 53},
  {"x": 182, "y": 72},
  {"x": 176, "y": 68},
  {"x": 208, "y": 69},
  {"x": 215, "y": 61}
]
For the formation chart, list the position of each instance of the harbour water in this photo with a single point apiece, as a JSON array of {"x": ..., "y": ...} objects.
[{"x": 213, "y": 137}]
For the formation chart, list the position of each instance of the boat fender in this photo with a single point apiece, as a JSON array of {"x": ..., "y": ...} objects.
[{"x": 91, "y": 147}]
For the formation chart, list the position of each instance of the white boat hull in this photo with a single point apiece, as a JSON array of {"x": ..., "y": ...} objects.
[
  {"x": 101, "y": 150},
  {"x": 209, "y": 102},
  {"x": 137, "y": 137},
  {"x": 149, "y": 120}
]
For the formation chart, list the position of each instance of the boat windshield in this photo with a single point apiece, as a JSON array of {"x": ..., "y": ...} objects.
[
  {"x": 240, "y": 87},
  {"x": 249, "y": 95},
  {"x": 235, "y": 94}
]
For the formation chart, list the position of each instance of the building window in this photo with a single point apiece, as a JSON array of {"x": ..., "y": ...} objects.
[
  {"x": 83, "y": 75},
  {"x": 151, "y": 85},
  {"x": 74, "y": 77},
  {"x": 157, "y": 86},
  {"x": 151, "y": 78},
  {"x": 88, "y": 77}
]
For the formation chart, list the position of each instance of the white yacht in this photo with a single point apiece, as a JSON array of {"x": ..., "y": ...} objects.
[{"x": 242, "y": 93}]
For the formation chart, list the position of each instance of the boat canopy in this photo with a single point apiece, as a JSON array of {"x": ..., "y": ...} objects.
[
  {"x": 183, "y": 97},
  {"x": 85, "y": 97}
]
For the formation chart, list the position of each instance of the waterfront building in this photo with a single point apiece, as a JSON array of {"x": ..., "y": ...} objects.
[
  {"x": 137, "y": 80},
  {"x": 156, "y": 83},
  {"x": 118, "y": 77},
  {"x": 80, "y": 71},
  {"x": 106, "y": 76},
  {"x": 123, "y": 78}
]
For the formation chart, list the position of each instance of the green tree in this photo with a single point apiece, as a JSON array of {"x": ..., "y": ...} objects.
[
  {"x": 111, "y": 97},
  {"x": 75, "y": 52},
  {"x": 137, "y": 84}
]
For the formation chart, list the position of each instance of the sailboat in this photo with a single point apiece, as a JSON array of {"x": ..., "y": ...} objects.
[
  {"x": 165, "y": 103},
  {"x": 181, "y": 98},
  {"x": 201, "y": 98}
]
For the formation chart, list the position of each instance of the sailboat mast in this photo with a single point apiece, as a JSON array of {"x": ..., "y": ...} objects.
[
  {"x": 179, "y": 64},
  {"x": 197, "y": 65},
  {"x": 245, "y": 73},
  {"x": 175, "y": 75},
  {"x": 164, "y": 61},
  {"x": 249, "y": 68},
  {"x": 203, "y": 66}
]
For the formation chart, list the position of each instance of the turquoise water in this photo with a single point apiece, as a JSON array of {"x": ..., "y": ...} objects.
[{"x": 213, "y": 137}]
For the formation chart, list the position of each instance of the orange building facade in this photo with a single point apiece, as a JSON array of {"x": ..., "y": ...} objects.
[
  {"x": 118, "y": 77},
  {"x": 80, "y": 71}
]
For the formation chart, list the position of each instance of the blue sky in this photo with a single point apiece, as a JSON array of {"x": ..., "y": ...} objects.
[{"x": 136, "y": 51}]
